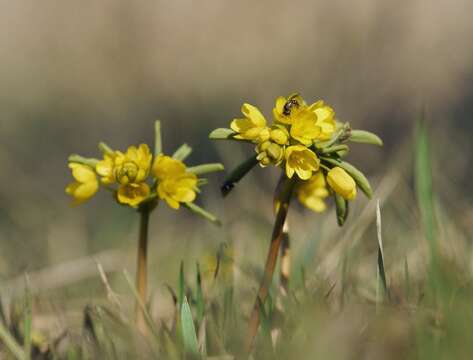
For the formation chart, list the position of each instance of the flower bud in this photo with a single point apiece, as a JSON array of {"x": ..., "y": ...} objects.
[
  {"x": 342, "y": 183},
  {"x": 280, "y": 135}
]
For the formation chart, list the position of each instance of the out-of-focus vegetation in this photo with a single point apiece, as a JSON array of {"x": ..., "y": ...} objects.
[{"x": 73, "y": 74}]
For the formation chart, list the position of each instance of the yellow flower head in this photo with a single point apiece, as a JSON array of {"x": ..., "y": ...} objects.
[
  {"x": 302, "y": 161},
  {"x": 342, "y": 183},
  {"x": 176, "y": 185},
  {"x": 325, "y": 119},
  {"x": 86, "y": 184},
  {"x": 286, "y": 110},
  {"x": 311, "y": 193},
  {"x": 304, "y": 128},
  {"x": 124, "y": 168},
  {"x": 269, "y": 153},
  {"x": 252, "y": 127},
  {"x": 133, "y": 194}
]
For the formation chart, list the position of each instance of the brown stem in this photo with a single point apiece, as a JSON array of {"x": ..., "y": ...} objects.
[
  {"x": 285, "y": 270},
  {"x": 283, "y": 198},
  {"x": 142, "y": 270}
]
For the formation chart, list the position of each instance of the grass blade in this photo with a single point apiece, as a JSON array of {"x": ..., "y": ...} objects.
[
  {"x": 381, "y": 274},
  {"x": 158, "y": 145},
  {"x": 189, "y": 335},
  {"x": 11, "y": 344},
  {"x": 27, "y": 319},
  {"x": 202, "y": 212}
]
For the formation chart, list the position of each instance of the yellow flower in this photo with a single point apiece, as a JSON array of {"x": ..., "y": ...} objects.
[
  {"x": 302, "y": 161},
  {"x": 124, "y": 168},
  {"x": 86, "y": 184},
  {"x": 325, "y": 119},
  {"x": 305, "y": 129},
  {"x": 269, "y": 152},
  {"x": 176, "y": 185},
  {"x": 286, "y": 110},
  {"x": 279, "y": 135},
  {"x": 342, "y": 183},
  {"x": 133, "y": 193},
  {"x": 311, "y": 193},
  {"x": 252, "y": 127}
]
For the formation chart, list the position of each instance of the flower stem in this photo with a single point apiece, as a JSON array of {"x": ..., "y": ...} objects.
[
  {"x": 142, "y": 267},
  {"x": 282, "y": 199}
]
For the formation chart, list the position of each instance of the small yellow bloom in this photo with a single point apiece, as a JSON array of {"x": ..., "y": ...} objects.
[
  {"x": 325, "y": 119},
  {"x": 269, "y": 153},
  {"x": 302, "y": 161},
  {"x": 133, "y": 193},
  {"x": 176, "y": 185},
  {"x": 86, "y": 184},
  {"x": 279, "y": 135},
  {"x": 311, "y": 193},
  {"x": 305, "y": 129},
  {"x": 252, "y": 127},
  {"x": 342, "y": 183},
  {"x": 286, "y": 110},
  {"x": 124, "y": 168}
]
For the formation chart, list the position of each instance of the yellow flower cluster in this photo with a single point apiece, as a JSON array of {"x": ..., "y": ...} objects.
[
  {"x": 308, "y": 143},
  {"x": 297, "y": 128},
  {"x": 135, "y": 177}
]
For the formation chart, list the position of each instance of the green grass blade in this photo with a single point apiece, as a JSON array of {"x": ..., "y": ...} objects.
[
  {"x": 11, "y": 344},
  {"x": 189, "y": 335},
  {"x": 182, "y": 286},
  {"x": 199, "y": 295},
  {"x": 381, "y": 274}
]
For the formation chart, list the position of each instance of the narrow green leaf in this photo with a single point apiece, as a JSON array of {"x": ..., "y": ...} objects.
[
  {"x": 158, "y": 144},
  {"x": 356, "y": 174},
  {"x": 365, "y": 137},
  {"x": 189, "y": 335},
  {"x": 423, "y": 177},
  {"x": 381, "y": 274},
  {"x": 206, "y": 168},
  {"x": 202, "y": 212},
  {"x": 335, "y": 148},
  {"x": 222, "y": 134},
  {"x": 11, "y": 344},
  {"x": 237, "y": 174},
  {"x": 182, "y": 285},
  {"x": 74, "y": 158},
  {"x": 407, "y": 281},
  {"x": 182, "y": 152}
]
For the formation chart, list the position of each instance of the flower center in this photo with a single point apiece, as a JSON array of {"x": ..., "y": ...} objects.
[{"x": 127, "y": 172}]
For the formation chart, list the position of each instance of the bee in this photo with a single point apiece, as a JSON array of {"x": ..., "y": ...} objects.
[{"x": 289, "y": 105}]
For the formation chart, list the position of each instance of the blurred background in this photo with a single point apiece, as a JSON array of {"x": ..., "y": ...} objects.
[{"x": 76, "y": 73}]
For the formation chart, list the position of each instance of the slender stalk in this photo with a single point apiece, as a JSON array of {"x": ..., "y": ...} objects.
[
  {"x": 285, "y": 270},
  {"x": 142, "y": 267},
  {"x": 283, "y": 198}
]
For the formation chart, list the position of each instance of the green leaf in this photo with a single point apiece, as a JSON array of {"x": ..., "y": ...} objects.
[
  {"x": 365, "y": 137},
  {"x": 10, "y": 343},
  {"x": 335, "y": 148},
  {"x": 381, "y": 273},
  {"x": 202, "y": 212},
  {"x": 356, "y": 174},
  {"x": 222, "y": 134},
  {"x": 206, "y": 168},
  {"x": 158, "y": 147},
  {"x": 189, "y": 335},
  {"x": 342, "y": 209},
  {"x": 182, "y": 152},
  {"x": 74, "y": 158}
]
